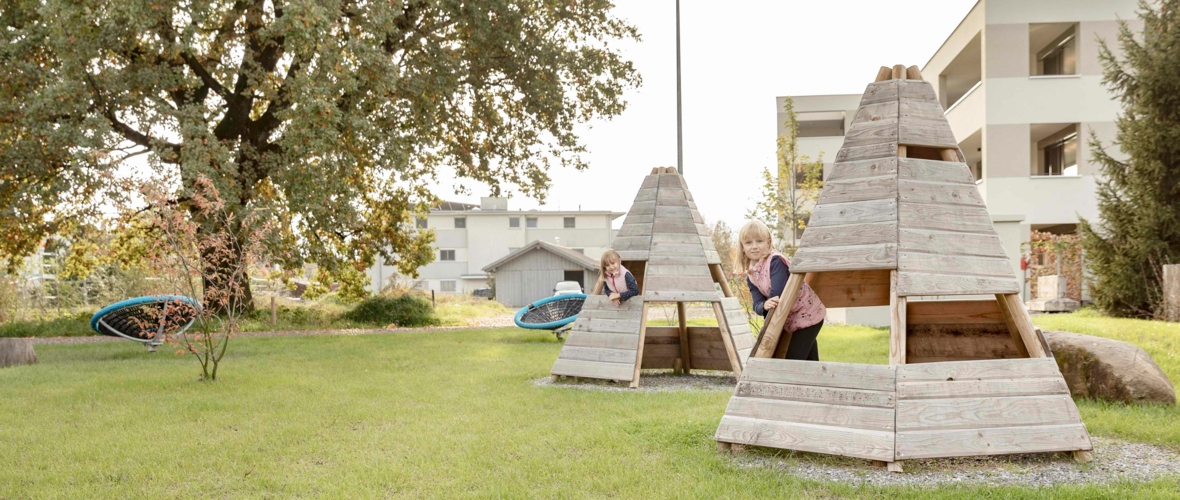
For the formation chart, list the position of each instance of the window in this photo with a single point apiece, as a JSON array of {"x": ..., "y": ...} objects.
[
  {"x": 460, "y": 222},
  {"x": 1055, "y": 147},
  {"x": 514, "y": 222},
  {"x": 569, "y": 222},
  {"x": 580, "y": 250},
  {"x": 446, "y": 285},
  {"x": 576, "y": 275},
  {"x": 421, "y": 223},
  {"x": 530, "y": 221},
  {"x": 1053, "y": 49},
  {"x": 421, "y": 285},
  {"x": 446, "y": 255}
]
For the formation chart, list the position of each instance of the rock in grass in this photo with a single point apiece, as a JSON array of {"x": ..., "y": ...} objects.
[
  {"x": 1112, "y": 370},
  {"x": 17, "y": 352}
]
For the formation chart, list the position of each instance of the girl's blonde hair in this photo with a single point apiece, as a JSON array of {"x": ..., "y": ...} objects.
[
  {"x": 752, "y": 229},
  {"x": 608, "y": 257}
]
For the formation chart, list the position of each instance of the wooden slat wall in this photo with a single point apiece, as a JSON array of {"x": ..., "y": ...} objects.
[
  {"x": 603, "y": 342},
  {"x": 834, "y": 408},
  {"x": 994, "y": 407},
  {"x": 739, "y": 327}
]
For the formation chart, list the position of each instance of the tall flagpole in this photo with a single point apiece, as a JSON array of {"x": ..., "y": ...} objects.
[{"x": 679, "y": 118}]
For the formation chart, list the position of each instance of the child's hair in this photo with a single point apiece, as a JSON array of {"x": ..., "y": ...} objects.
[
  {"x": 608, "y": 257},
  {"x": 753, "y": 228}
]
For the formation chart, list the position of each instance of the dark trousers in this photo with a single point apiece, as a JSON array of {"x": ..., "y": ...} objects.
[{"x": 803, "y": 345}]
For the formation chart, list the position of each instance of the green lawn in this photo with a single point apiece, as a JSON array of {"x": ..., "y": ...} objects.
[{"x": 443, "y": 414}]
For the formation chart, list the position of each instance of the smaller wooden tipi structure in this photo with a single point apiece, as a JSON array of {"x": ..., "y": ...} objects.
[
  {"x": 663, "y": 242},
  {"x": 899, "y": 219}
]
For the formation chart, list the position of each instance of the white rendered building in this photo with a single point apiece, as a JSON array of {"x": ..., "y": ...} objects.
[
  {"x": 1022, "y": 87},
  {"x": 469, "y": 237}
]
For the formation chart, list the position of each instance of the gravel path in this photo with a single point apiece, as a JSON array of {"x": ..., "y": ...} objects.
[
  {"x": 488, "y": 322},
  {"x": 1113, "y": 459}
]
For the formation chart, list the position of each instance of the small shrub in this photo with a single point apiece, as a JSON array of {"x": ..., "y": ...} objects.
[{"x": 406, "y": 309}]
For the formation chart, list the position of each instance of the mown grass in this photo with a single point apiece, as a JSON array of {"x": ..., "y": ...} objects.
[{"x": 442, "y": 415}]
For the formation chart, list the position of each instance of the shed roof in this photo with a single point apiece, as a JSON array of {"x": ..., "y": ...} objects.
[{"x": 564, "y": 252}]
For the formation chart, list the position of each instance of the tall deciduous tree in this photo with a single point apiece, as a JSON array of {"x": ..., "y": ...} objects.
[
  {"x": 335, "y": 117},
  {"x": 1138, "y": 230},
  {"x": 788, "y": 195}
]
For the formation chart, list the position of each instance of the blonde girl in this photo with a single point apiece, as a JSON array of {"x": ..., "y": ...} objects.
[
  {"x": 619, "y": 283},
  {"x": 766, "y": 275}
]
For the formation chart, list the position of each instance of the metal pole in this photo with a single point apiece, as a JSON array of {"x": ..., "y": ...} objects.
[{"x": 679, "y": 116}]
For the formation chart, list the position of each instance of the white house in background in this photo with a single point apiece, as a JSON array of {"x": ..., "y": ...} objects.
[
  {"x": 469, "y": 237},
  {"x": 1022, "y": 88}
]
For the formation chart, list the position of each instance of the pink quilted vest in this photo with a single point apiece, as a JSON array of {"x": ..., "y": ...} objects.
[
  {"x": 807, "y": 310},
  {"x": 618, "y": 281}
]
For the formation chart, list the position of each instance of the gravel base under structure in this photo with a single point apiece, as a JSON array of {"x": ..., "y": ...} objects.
[
  {"x": 1113, "y": 461},
  {"x": 650, "y": 382}
]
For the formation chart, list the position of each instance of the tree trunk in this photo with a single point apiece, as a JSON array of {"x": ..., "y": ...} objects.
[
  {"x": 17, "y": 352},
  {"x": 225, "y": 278}
]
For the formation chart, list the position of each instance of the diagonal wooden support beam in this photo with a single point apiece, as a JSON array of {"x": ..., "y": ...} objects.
[
  {"x": 897, "y": 310},
  {"x": 727, "y": 339},
  {"x": 1014, "y": 311},
  {"x": 770, "y": 339}
]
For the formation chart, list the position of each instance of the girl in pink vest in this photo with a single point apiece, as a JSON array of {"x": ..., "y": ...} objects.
[
  {"x": 766, "y": 275},
  {"x": 620, "y": 283}
]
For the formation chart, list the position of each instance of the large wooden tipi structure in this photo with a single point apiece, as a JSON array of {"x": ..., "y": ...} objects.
[
  {"x": 664, "y": 242},
  {"x": 900, "y": 221}
]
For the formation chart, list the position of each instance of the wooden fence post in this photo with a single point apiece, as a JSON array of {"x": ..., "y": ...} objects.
[
  {"x": 1172, "y": 292},
  {"x": 274, "y": 314}
]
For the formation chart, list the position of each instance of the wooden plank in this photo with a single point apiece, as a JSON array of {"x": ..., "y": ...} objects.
[
  {"x": 601, "y": 340},
  {"x": 936, "y": 263},
  {"x": 934, "y": 171},
  {"x": 777, "y": 319},
  {"x": 860, "y": 189},
  {"x": 623, "y": 243},
  {"x": 821, "y": 374},
  {"x": 996, "y": 441},
  {"x": 645, "y": 194},
  {"x": 665, "y": 248},
  {"x": 1014, "y": 309},
  {"x": 714, "y": 364},
  {"x": 863, "y": 168},
  {"x": 638, "y": 362},
  {"x": 731, "y": 304},
  {"x": 919, "y": 109},
  {"x": 678, "y": 296},
  {"x": 937, "y": 343},
  {"x": 731, "y": 352},
  {"x": 916, "y": 89},
  {"x": 875, "y": 113},
  {"x": 685, "y": 348},
  {"x": 681, "y": 283},
  {"x": 677, "y": 260},
  {"x": 897, "y": 323},
  {"x": 953, "y": 312},
  {"x": 863, "y": 133},
  {"x": 980, "y": 370},
  {"x": 603, "y": 313},
  {"x": 679, "y": 271},
  {"x": 608, "y": 325},
  {"x": 879, "y": 92},
  {"x": 626, "y": 356},
  {"x": 981, "y": 413},
  {"x": 857, "y": 212},
  {"x": 981, "y": 388},
  {"x": 633, "y": 254},
  {"x": 853, "y": 234},
  {"x": 946, "y": 284},
  {"x": 859, "y": 443},
  {"x": 1009, "y": 319},
  {"x": 852, "y": 417},
  {"x": 852, "y": 288},
  {"x": 642, "y": 208},
  {"x": 938, "y": 192},
  {"x": 944, "y": 218},
  {"x": 674, "y": 226},
  {"x": 676, "y": 238},
  {"x": 923, "y": 132},
  {"x": 860, "y": 257},
  {"x": 813, "y": 393},
  {"x": 853, "y": 153},
  {"x": 591, "y": 369},
  {"x": 633, "y": 230},
  {"x": 718, "y": 275},
  {"x": 650, "y": 181},
  {"x": 949, "y": 243},
  {"x": 743, "y": 343}
]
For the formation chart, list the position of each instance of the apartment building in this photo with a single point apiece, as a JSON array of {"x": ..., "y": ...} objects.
[
  {"x": 1022, "y": 88},
  {"x": 469, "y": 237}
]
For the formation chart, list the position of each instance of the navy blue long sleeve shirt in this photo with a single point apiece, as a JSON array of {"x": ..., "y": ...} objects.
[
  {"x": 779, "y": 272},
  {"x": 632, "y": 287}
]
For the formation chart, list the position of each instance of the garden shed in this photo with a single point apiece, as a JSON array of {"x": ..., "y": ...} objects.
[{"x": 530, "y": 272}]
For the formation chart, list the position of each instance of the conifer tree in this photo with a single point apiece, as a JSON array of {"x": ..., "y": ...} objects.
[{"x": 1138, "y": 230}]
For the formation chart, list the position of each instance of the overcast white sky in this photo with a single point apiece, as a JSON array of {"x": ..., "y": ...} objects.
[{"x": 736, "y": 57}]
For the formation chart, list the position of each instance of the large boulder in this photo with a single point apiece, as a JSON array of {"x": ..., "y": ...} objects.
[
  {"x": 16, "y": 352},
  {"x": 1101, "y": 368}
]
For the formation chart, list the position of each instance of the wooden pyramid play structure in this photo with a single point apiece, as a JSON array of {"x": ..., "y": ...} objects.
[
  {"x": 900, "y": 220},
  {"x": 664, "y": 242}
]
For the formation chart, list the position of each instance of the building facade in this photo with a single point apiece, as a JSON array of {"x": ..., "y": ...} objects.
[
  {"x": 1021, "y": 84},
  {"x": 469, "y": 237}
]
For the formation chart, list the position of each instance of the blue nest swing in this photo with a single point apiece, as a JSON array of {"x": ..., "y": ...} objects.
[
  {"x": 146, "y": 319},
  {"x": 551, "y": 313}
]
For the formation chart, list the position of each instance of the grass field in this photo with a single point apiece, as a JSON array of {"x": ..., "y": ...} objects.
[{"x": 443, "y": 414}]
